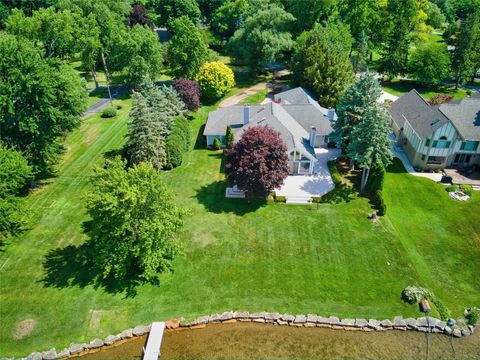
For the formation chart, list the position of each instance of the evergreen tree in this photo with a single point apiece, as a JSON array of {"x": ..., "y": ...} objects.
[
  {"x": 466, "y": 58},
  {"x": 362, "y": 127},
  {"x": 321, "y": 61},
  {"x": 229, "y": 137},
  {"x": 151, "y": 119},
  {"x": 360, "y": 60}
]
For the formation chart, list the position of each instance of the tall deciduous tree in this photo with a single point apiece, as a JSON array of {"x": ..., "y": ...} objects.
[
  {"x": 405, "y": 19},
  {"x": 228, "y": 18},
  {"x": 55, "y": 32},
  {"x": 321, "y": 61},
  {"x": 186, "y": 50},
  {"x": 189, "y": 91},
  {"x": 258, "y": 162},
  {"x": 430, "y": 63},
  {"x": 138, "y": 56},
  {"x": 169, "y": 10},
  {"x": 135, "y": 222},
  {"x": 264, "y": 38},
  {"x": 308, "y": 13},
  {"x": 362, "y": 127},
  {"x": 40, "y": 99}
]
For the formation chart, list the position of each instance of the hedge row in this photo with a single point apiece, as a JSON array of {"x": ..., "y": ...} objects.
[
  {"x": 375, "y": 187},
  {"x": 178, "y": 142}
]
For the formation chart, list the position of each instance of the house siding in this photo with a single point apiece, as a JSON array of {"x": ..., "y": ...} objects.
[{"x": 211, "y": 139}]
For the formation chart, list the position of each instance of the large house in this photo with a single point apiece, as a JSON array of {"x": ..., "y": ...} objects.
[
  {"x": 302, "y": 123},
  {"x": 435, "y": 137}
]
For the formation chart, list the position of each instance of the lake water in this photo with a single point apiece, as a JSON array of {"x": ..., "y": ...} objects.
[{"x": 266, "y": 341}]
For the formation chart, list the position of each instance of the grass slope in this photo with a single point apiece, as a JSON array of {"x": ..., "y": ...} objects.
[{"x": 239, "y": 254}]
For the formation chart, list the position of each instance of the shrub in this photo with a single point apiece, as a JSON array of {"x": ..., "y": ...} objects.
[
  {"x": 413, "y": 294},
  {"x": 174, "y": 152},
  {"x": 178, "y": 142},
  {"x": 336, "y": 177},
  {"x": 109, "y": 112},
  {"x": 451, "y": 188},
  {"x": 469, "y": 92},
  {"x": 440, "y": 99},
  {"x": 189, "y": 91},
  {"x": 376, "y": 178},
  {"x": 229, "y": 137},
  {"x": 217, "y": 144},
  {"x": 215, "y": 79},
  {"x": 380, "y": 203},
  {"x": 442, "y": 310},
  {"x": 280, "y": 199},
  {"x": 466, "y": 189},
  {"x": 473, "y": 316}
]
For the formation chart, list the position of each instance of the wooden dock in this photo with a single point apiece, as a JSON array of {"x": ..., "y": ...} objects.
[{"x": 152, "y": 350}]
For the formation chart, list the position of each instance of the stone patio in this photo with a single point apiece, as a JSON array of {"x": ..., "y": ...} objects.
[{"x": 299, "y": 189}]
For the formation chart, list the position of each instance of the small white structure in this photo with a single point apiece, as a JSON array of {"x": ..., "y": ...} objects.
[{"x": 152, "y": 350}]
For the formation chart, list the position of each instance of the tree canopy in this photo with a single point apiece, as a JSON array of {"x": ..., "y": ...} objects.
[
  {"x": 41, "y": 99},
  {"x": 258, "y": 161},
  {"x": 169, "y": 10},
  {"x": 430, "y": 63},
  {"x": 321, "y": 61},
  {"x": 264, "y": 38},
  {"x": 135, "y": 222},
  {"x": 186, "y": 51}
]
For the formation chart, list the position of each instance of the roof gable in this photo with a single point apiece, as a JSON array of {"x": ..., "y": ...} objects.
[
  {"x": 465, "y": 116},
  {"x": 423, "y": 118}
]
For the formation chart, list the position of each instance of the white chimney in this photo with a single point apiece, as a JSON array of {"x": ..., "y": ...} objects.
[
  {"x": 331, "y": 114},
  {"x": 313, "y": 136},
  {"x": 246, "y": 114}
]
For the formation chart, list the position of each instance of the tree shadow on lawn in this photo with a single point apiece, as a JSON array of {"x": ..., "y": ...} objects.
[
  {"x": 212, "y": 197},
  {"x": 73, "y": 266}
]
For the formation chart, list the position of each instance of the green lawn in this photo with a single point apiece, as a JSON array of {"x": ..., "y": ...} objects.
[
  {"x": 401, "y": 87},
  {"x": 239, "y": 254},
  {"x": 256, "y": 98}
]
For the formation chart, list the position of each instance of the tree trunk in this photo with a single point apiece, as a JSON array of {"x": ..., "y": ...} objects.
[
  {"x": 365, "y": 174},
  {"x": 458, "y": 81},
  {"x": 107, "y": 77},
  {"x": 371, "y": 56},
  {"x": 94, "y": 75},
  {"x": 352, "y": 165}
]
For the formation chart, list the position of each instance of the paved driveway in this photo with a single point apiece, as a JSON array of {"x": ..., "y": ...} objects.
[{"x": 305, "y": 186}]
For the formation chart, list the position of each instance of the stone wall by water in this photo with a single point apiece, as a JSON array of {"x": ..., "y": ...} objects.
[{"x": 423, "y": 324}]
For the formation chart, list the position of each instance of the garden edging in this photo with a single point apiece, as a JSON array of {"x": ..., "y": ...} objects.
[{"x": 423, "y": 324}]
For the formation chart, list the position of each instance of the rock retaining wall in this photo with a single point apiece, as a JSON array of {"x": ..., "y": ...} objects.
[{"x": 423, "y": 324}]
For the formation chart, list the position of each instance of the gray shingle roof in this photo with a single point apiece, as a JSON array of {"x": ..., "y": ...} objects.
[
  {"x": 308, "y": 116},
  {"x": 465, "y": 116},
  {"x": 293, "y": 118},
  {"x": 423, "y": 117}
]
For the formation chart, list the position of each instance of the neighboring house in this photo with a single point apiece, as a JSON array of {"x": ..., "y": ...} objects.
[
  {"x": 436, "y": 137},
  {"x": 302, "y": 123}
]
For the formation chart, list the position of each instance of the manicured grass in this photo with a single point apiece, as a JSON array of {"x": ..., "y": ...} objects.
[
  {"x": 401, "y": 87},
  {"x": 239, "y": 254},
  {"x": 256, "y": 98}
]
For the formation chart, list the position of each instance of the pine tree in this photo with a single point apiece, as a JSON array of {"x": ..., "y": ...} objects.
[
  {"x": 146, "y": 135},
  {"x": 229, "y": 137},
  {"x": 466, "y": 58},
  {"x": 358, "y": 96},
  {"x": 360, "y": 64},
  {"x": 362, "y": 127}
]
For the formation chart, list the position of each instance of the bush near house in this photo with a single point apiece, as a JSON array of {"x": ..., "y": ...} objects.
[
  {"x": 217, "y": 144},
  {"x": 440, "y": 99},
  {"x": 229, "y": 137}
]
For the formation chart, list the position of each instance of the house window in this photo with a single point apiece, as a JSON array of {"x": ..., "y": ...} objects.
[
  {"x": 469, "y": 145},
  {"x": 423, "y": 157},
  {"x": 441, "y": 144},
  {"x": 427, "y": 142}
]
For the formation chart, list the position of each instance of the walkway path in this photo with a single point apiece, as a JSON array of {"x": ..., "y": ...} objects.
[
  {"x": 399, "y": 153},
  {"x": 117, "y": 91}
]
